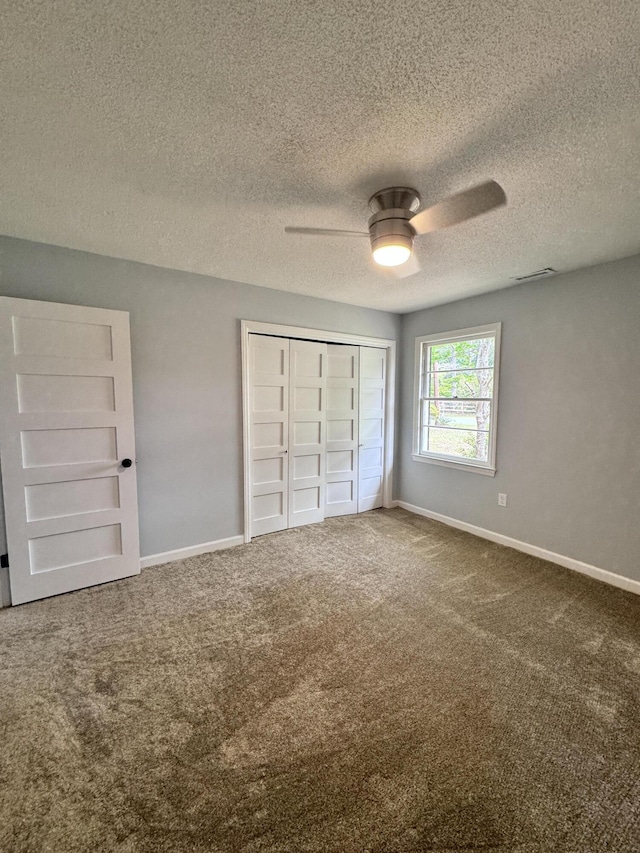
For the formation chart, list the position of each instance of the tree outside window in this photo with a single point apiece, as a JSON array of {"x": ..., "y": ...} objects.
[{"x": 457, "y": 396}]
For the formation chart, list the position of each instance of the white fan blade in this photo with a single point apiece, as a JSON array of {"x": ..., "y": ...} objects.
[
  {"x": 409, "y": 267},
  {"x": 324, "y": 232},
  {"x": 460, "y": 207}
]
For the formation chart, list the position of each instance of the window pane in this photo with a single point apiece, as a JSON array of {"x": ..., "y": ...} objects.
[
  {"x": 461, "y": 383},
  {"x": 440, "y": 357},
  {"x": 457, "y": 385},
  {"x": 464, "y": 444},
  {"x": 463, "y": 414},
  {"x": 478, "y": 352}
]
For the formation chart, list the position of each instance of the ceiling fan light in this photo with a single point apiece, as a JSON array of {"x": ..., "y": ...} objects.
[{"x": 391, "y": 255}]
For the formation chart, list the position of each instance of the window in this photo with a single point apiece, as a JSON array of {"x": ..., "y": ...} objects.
[{"x": 456, "y": 398}]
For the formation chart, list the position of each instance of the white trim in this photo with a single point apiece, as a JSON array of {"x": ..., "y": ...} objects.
[
  {"x": 462, "y": 466},
  {"x": 256, "y": 328},
  {"x": 460, "y": 334},
  {"x": 246, "y": 435},
  {"x": 248, "y": 327},
  {"x": 192, "y": 551},
  {"x": 604, "y": 575},
  {"x": 488, "y": 468}
]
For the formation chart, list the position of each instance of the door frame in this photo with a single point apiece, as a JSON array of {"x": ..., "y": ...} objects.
[{"x": 253, "y": 327}]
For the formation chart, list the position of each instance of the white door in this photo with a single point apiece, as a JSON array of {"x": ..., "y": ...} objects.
[
  {"x": 66, "y": 447},
  {"x": 342, "y": 429},
  {"x": 269, "y": 432},
  {"x": 373, "y": 375},
  {"x": 307, "y": 425}
]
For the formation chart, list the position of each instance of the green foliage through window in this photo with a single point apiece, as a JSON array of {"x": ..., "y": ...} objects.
[{"x": 456, "y": 398}]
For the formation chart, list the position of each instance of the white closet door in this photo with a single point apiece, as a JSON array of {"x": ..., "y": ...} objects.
[
  {"x": 342, "y": 430},
  {"x": 67, "y": 447},
  {"x": 373, "y": 370},
  {"x": 269, "y": 431},
  {"x": 307, "y": 426}
]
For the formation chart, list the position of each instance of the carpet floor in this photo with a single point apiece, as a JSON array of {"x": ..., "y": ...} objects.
[{"x": 373, "y": 683}]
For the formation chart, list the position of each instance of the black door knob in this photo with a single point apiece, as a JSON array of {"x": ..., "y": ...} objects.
[{"x": 126, "y": 463}]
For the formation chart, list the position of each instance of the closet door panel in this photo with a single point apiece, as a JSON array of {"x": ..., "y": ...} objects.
[
  {"x": 373, "y": 376},
  {"x": 269, "y": 426},
  {"x": 307, "y": 426},
  {"x": 342, "y": 429}
]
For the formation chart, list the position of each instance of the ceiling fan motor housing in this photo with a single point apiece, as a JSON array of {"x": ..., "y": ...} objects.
[{"x": 392, "y": 209}]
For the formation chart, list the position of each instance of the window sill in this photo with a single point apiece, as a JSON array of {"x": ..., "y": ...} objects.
[{"x": 462, "y": 466}]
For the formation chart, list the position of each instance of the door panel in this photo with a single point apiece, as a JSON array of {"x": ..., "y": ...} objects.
[
  {"x": 325, "y": 405},
  {"x": 307, "y": 425},
  {"x": 38, "y": 393},
  {"x": 342, "y": 429},
  {"x": 75, "y": 497},
  {"x": 67, "y": 421},
  {"x": 52, "y": 447},
  {"x": 373, "y": 365},
  {"x": 76, "y": 546},
  {"x": 62, "y": 338},
  {"x": 269, "y": 431}
]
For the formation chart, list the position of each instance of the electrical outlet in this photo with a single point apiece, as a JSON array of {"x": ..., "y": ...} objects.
[{"x": 502, "y": 499}]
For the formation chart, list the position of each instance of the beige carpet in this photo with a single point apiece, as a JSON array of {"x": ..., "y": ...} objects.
[{"x": 375, "y": 683}]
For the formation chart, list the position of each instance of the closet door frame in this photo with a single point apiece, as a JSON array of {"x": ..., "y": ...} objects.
[{"x": 252, "y": 327}]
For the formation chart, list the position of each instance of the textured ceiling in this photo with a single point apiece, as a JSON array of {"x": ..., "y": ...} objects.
[{"x": 188, "y": 134}]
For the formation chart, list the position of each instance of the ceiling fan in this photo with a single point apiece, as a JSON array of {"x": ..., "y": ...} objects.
[{"x": 396, "y": 223}]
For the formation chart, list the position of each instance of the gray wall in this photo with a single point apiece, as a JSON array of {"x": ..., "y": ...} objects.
[
  {"x": 185, "y": 340},
  {"x": 569, "y": 421},
  {"x": 568, "y": 452}
]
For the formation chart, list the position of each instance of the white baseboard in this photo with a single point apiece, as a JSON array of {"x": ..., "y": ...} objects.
[
  {"x": 568, "y": 562},
  {"x": 192, "y": 551}
]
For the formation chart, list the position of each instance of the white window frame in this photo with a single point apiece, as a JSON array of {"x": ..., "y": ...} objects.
[{"x": 489, "y": 467}]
